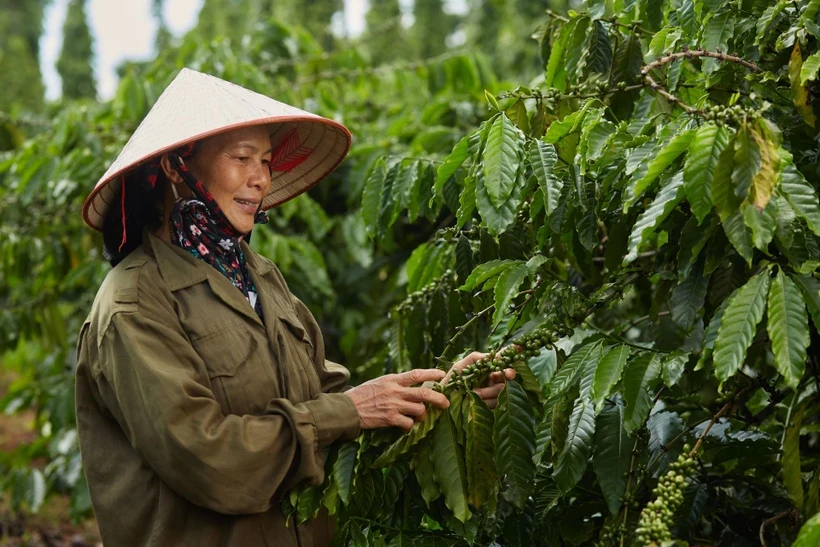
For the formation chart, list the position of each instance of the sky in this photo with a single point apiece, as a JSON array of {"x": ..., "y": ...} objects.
[{"x": 125, "y": 29}]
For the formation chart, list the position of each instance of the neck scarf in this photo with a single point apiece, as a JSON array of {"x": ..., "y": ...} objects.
[{"x": 199, "y": 226}]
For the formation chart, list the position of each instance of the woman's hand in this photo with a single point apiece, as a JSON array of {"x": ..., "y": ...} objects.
[
  {"x": 495, "y": 382},
  {"x": 392, "y": 401}
]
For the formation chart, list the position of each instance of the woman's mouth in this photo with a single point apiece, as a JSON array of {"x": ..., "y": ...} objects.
[{"x": 247, "y": 206}]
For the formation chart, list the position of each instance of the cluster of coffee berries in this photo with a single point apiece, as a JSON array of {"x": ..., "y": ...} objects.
[
  {"x": 721, "y": 115},
  {"x": 522, "y": 349},
  {"x": 610, "y": 534},
  {"x": 657, "y": 516},
  {"x": 422, "y": 296}
]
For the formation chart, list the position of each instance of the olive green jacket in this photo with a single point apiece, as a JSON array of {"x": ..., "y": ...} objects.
[{"x": 194, "y": 416}]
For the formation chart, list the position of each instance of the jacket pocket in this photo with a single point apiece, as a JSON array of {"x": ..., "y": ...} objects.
[
  {"x": 299, "y": 350},
  {"x": 241, "y": 377}
]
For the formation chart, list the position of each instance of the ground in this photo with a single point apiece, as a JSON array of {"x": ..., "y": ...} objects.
[{"x": 51, "y": 526}]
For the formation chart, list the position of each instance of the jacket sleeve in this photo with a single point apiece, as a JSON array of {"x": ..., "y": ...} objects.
[{"x": 157, "y": 387}]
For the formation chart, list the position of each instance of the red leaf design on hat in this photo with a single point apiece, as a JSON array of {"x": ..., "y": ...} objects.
[
  {"x": 289, "y": 154},
  {"x": 152, "y": 180}
]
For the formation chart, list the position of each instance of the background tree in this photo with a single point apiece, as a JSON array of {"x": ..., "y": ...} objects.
[
  {"x": 431, "y": 28},
  {"x": 75, "y": 64},
  {"x": 21, "y": 24},
  {"x": 385, "y": 38},
  {"x": 163, "y": 36}
]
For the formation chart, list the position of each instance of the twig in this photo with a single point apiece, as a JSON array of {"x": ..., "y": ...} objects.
[
  {"x": 787, "y": 513},
  {"x": 640, "y": 320},
  {"x": 715, "y": 418},
  {"x": 695, "y": 53},
  {"x": 688, "y": 54},
  {"x": 461, "y": 329}
]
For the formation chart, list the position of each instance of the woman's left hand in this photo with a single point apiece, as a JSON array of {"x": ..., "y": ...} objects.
[{"x": 495, "y": 382}]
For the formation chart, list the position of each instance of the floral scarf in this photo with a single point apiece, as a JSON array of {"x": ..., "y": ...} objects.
[{"x": 199, "y": 226}]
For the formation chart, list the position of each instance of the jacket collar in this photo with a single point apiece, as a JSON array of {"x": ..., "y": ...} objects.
[{"x": 179, "y": 269}]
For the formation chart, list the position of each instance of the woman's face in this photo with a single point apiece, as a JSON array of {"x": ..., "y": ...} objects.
[{"x": 233, "y": 167}]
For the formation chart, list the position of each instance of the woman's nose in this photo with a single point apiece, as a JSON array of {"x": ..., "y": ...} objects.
[{"x": 260, "y": 177}]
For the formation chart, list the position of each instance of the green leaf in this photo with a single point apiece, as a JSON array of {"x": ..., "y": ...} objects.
[
  {"x": 811, "y": 65},
  {"x": 506, "y": 289},
  {"x": 448, "y": 467},
  {"x": 738, "y": 325},
  {"x": 628, "y": 60},
  {"x": 598, "y": 50},
  {"x": 667, "y": 154},
  {"x": 465, "y": 260},
  {"x": 542, "y": 159},
  {"x": 574, "y": 59},
  {"x": 387, "y": 207},
  {"x": 639, "y": 377},
  {"x": 761, "y": 223},
  {"x": 712, "y": 332},
  {"x": 792, "y": 479},
  {"x": 343, "y": 469},
  {"x": 480, "y": 467},
  {"x": 453, "y": 161},
  {"x": 698, "y": 170},
  {"x": 608, "y": 372},
  {"x": 371, "y": 198},
  {"x": 423, "y": 465},
  {"x": 747, "y": 161},
  {"x": 716, "y": 35},
  {"x": 409, "y": 439},
  {"x": 809, "y": 535},
  {"x": 767, "y": 141},
  {"x": 466, "y": 201},
  {"x": 788, "y": 327},
  {"x": 666, "y": 200},
  {"x": 556, "y": 73},
  {"x": 572, "y": 462},
  {"x": 612, "y": 455},
  {"x": 673, "y": 366},
  {"x": 527, "y": 378},
  {"x": 687, "y": 298},
  {"x": 497, "y": 219},
  {"x": 801, "y": 196},
  {"x": 501, "y": 157},
  {"x": 727, "y": 204},
  {"x": 485, "y": 271},
  {"x": 569, "y": 374},
  {"x": 514, "y": 440},
  {"x": 810, "y": 287},
  {"x": 768, "y": 17}
]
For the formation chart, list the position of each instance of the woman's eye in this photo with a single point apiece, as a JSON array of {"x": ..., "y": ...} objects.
[
  {"x": 243, "y": 159},
  {"x": 265, "y": 161}
]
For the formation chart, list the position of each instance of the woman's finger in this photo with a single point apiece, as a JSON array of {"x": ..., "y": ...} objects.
[
  {"x": 461, "y": 364},
  {"x": 491, "y": 392},
  {"x": 411, "y": 409},
  {"x": 492, "y": 403},
  {"x": 425, "y": 395},
  {"x": 402, "y": 421},
  {"x": 419, "y": 375}
]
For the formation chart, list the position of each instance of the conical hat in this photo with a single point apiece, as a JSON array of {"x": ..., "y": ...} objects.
[{"x": 306, "y": 147}]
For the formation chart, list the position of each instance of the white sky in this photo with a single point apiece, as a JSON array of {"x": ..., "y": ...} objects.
[{"x": 125, "y": 29}]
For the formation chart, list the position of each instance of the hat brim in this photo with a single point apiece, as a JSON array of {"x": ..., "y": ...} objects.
[{"x": 195, "y": 106}]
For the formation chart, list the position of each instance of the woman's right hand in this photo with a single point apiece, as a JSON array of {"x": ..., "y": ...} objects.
[{"x": 391, "y": 400}]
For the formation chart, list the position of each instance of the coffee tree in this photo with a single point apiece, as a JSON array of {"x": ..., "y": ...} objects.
[{"x": 636, "y": 233}]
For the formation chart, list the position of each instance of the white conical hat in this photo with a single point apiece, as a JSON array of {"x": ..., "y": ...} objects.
[{"x": 306, "y": 147}]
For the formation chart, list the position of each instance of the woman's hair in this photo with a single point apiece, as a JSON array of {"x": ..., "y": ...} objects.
[{"x": 143, "y": 208}]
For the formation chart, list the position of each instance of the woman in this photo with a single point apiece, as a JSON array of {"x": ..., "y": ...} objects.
[{"x": 203, "y": 394}]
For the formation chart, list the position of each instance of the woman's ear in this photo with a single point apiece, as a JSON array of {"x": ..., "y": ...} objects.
[{"x": 171, "y": 173}]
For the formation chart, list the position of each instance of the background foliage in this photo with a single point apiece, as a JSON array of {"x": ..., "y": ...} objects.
[{"x": 634, "y": 192}]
